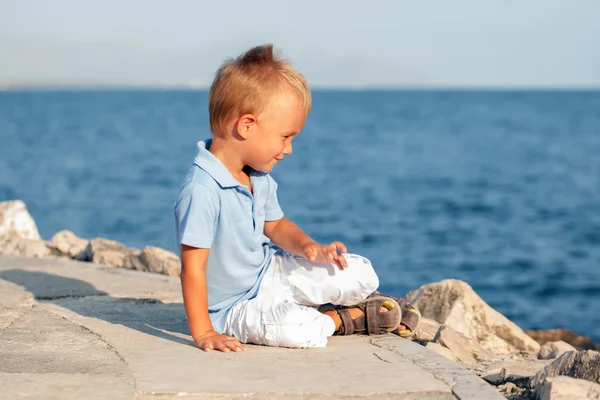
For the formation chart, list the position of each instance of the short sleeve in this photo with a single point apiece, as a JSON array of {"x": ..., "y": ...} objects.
[
  {"x": 272, "y": 210},
  {"x": 196, "y": 214}
]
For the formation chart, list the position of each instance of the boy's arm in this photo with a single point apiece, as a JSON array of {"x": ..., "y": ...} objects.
[
  {"x": 195, "y": 298},
  {"x": 288, "y": 236}
]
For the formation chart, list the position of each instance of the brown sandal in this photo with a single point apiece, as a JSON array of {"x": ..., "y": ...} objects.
[
  {"x": 410, "y": 315},
  {"x": 373, "y": 321}
]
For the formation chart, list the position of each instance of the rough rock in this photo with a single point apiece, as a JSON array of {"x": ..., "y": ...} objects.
[
  {"x": 580, "y": 342},
  {"x": 464, "y": 349},
  {"x": 567, "y": 388},
  {"x": 17, "y": 246},
  {"x": 160, "y": 261},
  {"x": 552, "y": 350},
  {"x": 15, "y": 220},
  {"x": 442, "y": 350},
  {"x": 509, "y": 388},
  {"x": 426, "y": 330},
  {"x": 520, "y": 372},
  {"x": 112, "y": 253},
  {"x": 69, "y": 245},
  {"x": 584, "y": 364},
  {"x": 454, "y": 303}
]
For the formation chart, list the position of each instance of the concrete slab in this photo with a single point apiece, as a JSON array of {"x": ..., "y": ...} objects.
[
  {"x": 49, "y": 279},
  {"x": 15, "y": 301},
  {"x": 130, "y": 328},
  {"x": 57, "y": 386},
  {"x": 295, "y": 396},
  {"x": 465, "y": 384},
  {"x": 42, "y": 341}
]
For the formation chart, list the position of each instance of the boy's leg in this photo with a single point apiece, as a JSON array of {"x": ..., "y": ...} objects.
[
  {"x": 284, "y": 324},
  {"x": 314, "y": 284},
  {"x": 272, "y": 319}
]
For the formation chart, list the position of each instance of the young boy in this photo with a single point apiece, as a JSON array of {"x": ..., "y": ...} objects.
[{"x": 236, "y": 287}]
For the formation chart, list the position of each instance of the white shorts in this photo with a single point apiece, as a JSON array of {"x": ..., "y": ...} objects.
[{"x": 284, "y": 311}]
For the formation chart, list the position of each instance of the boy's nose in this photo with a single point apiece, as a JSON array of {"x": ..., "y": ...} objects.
[{"x": 287, "y": 150}]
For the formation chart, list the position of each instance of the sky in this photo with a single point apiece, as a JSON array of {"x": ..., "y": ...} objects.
[{"x": 335, "y": 44}]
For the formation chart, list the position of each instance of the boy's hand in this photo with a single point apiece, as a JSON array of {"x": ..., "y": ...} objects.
[
  {"x": 215, "y": 341},
  {"x": 326, "y": 253}
]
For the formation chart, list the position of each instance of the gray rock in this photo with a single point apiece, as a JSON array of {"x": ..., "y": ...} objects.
[
  {"x": 442, "y": 350},
  {"x": 160, "y": 261},
  {"x": 509, "y": 388},
  {"x": 503, "y": 371},
  {"x": 584, "y": 364},
  {"x": 576, "y": 340},
  {"x": 552, "y": 350},
  {"x": 426, "y": 330},
  {"x": 459, "y": 345},
  {"x": 18, "y": 246},
  {"x": 111, "y": 253},
  {"x": 15, "y": 220},
  {"x": 69, "y": 245},
  {"x": 150, "y": 259},
  {"x": 567, "y": 388},
  {"x": 454, "y": 303}
]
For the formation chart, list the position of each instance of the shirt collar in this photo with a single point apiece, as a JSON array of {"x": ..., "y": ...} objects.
[{"x": 215, "y": 168}]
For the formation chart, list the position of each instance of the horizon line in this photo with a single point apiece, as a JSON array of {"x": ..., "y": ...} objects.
[{"x": 349, "y": 88}]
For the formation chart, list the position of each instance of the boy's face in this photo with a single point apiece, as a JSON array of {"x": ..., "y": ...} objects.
[{"x": 270, "y": 135}]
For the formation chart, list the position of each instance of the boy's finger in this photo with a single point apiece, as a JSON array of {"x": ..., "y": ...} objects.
[
  {"x": 339, "y": 261},
  {"x": 342, "y": 261},
  {"x": 330, "y": 257},
  {"x": 235, "y": 347},
  {"x": 339, "y": 246},
  {"x": 222, "y": 347},
  {"x": 233, "y": 343}
]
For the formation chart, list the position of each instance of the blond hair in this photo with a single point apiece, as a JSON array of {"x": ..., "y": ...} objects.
[{"x": 246, "y": 84}]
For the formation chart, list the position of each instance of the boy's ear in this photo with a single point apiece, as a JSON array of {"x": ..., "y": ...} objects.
[{"x": 246, "y": 123}]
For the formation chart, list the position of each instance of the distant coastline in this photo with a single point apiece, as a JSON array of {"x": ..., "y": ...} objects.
[{"x": 43, "y": 87}]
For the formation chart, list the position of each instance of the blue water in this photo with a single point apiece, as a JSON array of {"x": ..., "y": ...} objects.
[{"x": 500, "y": 189}]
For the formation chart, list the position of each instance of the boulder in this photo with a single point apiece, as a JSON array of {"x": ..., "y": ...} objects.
[
  {"x": 464, "y": 349},
  {"x": 18, "y": 246},
  {"x": 454, "y": 303},
  {"x": 426, "y": 330},
  {"x": 67, "y": 244},
  {"x": 111, "y": 253},
  {"x": 584, "y": 364},
  {"x": 580, "y": 342},
  {"x": 150, "y": 259},
  {"x": 519, "y": 372},
  {"x": 160, "y": 261},
  {"x": 552, "y": 350},
  {"x": 15, "y": 220},
  {"x": 442, "y": 350},
  {"x": 567, "y": 388},
  {"x": 510, "y": 389}
]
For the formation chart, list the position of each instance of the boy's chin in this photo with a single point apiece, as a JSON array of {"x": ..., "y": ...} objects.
[{"x": 263, "y": 168}]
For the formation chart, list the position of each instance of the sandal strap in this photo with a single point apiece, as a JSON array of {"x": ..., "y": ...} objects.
[
  {"x": 372, "y": 317},
  {"x": 347, "y": 327}
]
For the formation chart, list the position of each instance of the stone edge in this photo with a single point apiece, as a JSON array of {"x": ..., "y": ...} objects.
[
  {"x": 7, "y": 261},
  {"x": 464, "y": 383}
]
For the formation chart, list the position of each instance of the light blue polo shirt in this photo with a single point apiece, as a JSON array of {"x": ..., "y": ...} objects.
[{"x": 213, "y": 210}]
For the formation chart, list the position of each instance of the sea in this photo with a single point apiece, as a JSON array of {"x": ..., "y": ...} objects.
[{"x": 500, "y": 189}]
